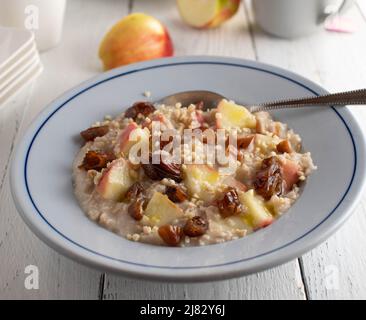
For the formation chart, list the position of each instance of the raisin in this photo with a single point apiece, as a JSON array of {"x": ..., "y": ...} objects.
[
  {"x": 200, "y": 105},
  {"x": 176, "y": 194},
  {"x": 136, "y": 209},
  {"x": 170, "y": 234},
  {"x": 162, "y": 170},
  {"x": 196, "y": 226},
  {"x": 94, "y": 160},
  {"x": 269, "y": 180},
  {"x": 230, "y": 205},
  {"x": 143, "y": 107},
  {"x": 134, "y": 191},
  {"x": 93, "y": 132}
]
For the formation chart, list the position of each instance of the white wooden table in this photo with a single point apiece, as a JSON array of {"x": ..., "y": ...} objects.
[{"x": 335, "y": 269}]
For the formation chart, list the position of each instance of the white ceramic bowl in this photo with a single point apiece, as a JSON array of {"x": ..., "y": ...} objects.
[{"x": 41, "y": 170}]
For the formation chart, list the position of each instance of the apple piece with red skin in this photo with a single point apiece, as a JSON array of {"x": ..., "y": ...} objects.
[
  {"x": 290, "y": 173},
  {"x": 234, "y": 116},
  {"x": 257, "y": 215},
  {"x": 115, "y": 180},
  {"x": 137, "y": 37},
  {"x": 204, "y": 14},
  {"x": 130, "y": 136},
  {"x": 124, "y": 137}
]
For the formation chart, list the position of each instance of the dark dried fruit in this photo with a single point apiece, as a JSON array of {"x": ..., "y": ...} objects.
[
  {"x": 93, "y": 132},
  {"x": 196, "y": 226},
  {"x": 170, "y": 234},
  {"x": 134, "y": 191},
  {"x": 284, "y": 146},
  {"x": 269, "y": 180},
  {"x": 136, "y": 209},
  {"x": 95, "y": 160},
  {"x": 200, "y": 105},
  {"x": 176, "y": 194},
  {"x": 229, "y": 205},
  {"x": 163, "y": 170},
  {"x": 143, "y": 107}
]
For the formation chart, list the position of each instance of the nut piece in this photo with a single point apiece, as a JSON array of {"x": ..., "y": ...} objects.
[
  {"x": 175, "y": 194},
  {"x": 134, "y": 191},
  {"x": 170, "y": 234},
  {"x": 136, "y": 209},
  {"x": 269, "y": 180},
  {"x": 142, "y": 107},
  {"x": 284, "y": 147},
  {"x": 93, "y": 132},
  {"x": 230, "y": 205},
  {"x": 196, "y": 226},
  {"x": 94, "y": 160}
]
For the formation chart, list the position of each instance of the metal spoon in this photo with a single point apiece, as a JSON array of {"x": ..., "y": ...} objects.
[{"x": 211, "y": 99}]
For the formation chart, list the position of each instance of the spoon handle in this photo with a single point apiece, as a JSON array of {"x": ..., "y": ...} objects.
[{"x": 355, "y": 97}]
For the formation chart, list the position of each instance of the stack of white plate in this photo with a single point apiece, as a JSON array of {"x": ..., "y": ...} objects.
[{"x": 19, "y": 62}]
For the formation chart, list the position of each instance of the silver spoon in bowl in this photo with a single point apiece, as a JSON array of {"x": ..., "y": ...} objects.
[{"x": 211, "y": 99}]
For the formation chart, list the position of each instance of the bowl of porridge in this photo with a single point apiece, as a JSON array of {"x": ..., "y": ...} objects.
[
  {"x": 193, "y": 196},
  {"x": 113, "y": 180}
]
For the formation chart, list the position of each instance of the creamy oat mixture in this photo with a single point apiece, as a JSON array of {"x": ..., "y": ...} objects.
[{"x": 189, "y": 204}]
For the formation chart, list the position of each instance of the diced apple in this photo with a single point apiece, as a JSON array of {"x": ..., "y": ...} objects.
[
  {"x": 266, "y": 143},
  {"x": 115, "y": 180},
  {"x": 257, "y": 215},
  {"x": 201, "y": 180},
  {"x": 290, "y": 173},
  {"x": 234, "y": 116},
  {"x": 160, "y": 210},
  {"x": 130, "y": 136}
]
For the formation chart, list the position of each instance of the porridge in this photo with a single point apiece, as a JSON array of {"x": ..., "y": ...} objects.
[{"x": 237, "y": 173}]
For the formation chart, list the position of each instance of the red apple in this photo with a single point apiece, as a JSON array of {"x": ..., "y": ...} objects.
[
  {"x": 207, "y": 13},
  {"x": 137, "y": 37}
]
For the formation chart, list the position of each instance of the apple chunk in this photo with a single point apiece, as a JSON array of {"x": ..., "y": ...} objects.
[
  {"x": 115, "y": 180},
  {"x": 257, "y": 214},
  {"x": 160, "y": 210},
  {"x": 130, "y": 136},
  {"x": 266, "y": 143},
  {"x": 207, "y": 13},
  {"x": 290, "y": 172},
  {"x": 201, "y": 180},
  {"x": 234, "y": 116}
]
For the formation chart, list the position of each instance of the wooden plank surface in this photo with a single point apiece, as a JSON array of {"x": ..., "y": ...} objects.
[{"x": 333, "y": 60}]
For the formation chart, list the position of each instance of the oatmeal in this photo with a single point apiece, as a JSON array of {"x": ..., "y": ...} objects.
[{"x": 186, "y": 176}]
